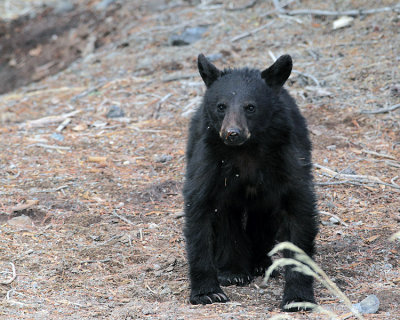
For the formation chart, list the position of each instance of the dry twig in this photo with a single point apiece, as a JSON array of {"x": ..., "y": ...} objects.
[
  {"x": 250, "y": 33},
  {"x": 43, "y": 122},
  {"x": 354, "y": 178},
  {"x": 383, "y": 110},
  {"x": 381, "y": 155},
  {"x": 14, "y": 275},
  {"x": 353, "y": 12},
  {"x": 47, "y": 146},
  {"x": 334, "y": 216},
  {"x": 251, "y": 4},
  {"x": 123, "y": 218}
]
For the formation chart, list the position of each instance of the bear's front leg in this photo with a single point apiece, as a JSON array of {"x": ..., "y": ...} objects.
[
  {"x": 205, "y": 288},
  {"x": 302, "y": 228},
  {"x": 232, "y": 249}
]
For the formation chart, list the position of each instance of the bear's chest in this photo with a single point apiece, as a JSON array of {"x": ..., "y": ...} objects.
[{"x": 242, "y": 175}]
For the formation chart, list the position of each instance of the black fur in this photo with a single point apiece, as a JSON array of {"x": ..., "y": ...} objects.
[{"x": 248, "y": 182}]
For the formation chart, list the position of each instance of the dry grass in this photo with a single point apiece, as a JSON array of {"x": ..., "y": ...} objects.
[{"x": 304, "y": 264}]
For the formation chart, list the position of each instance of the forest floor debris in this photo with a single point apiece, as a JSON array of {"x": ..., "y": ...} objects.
[{"x": 104, "y": 202}]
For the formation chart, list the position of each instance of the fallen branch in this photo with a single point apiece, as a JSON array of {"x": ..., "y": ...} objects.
[
  {"x": 95, "y": 261},
  {"x": 21, "y": 95},
  {"x": 334, "y": 216},
  {"x": 123, "y": 218},
  {"x": 332, "y": 183},
  {"x": 395, "y": 236},
  {"x": 43, "y": 122},
  {"x": 351, "y": 178},
  {"x": 88, "y": 91},
  {"x": 252, "y": 32},
  {"x": 47, "y": 146},
  {"x": 176, "y": 77},
  {"x": 251, "y": 4},
  {"x": 159, "y": 103},
  {"x": 24, "y": 206},
  {"x": 382, "y": 110},
  {"x": 307, "y": 75},
  {"x": 279, "y": 7},
  {"x": 353, "y": 12},
  {"x": 393, "y": 181},
  {"x": 381, "y": 155},
  {"x": 14, "y": 275},
  {"x": 62, "y": 126},
  {"x": 52, "y": 190}
]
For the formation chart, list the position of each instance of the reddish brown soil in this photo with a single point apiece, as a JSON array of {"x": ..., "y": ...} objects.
[{"x": 79, "y": 259}]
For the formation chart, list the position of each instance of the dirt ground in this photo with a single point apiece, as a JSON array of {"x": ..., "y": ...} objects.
[{"x": 92, "y": 157}]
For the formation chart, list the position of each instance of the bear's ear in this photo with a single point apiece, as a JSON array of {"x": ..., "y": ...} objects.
[
  {"x": 207, "y": 70},
  {"x": 277, "y": 74}
]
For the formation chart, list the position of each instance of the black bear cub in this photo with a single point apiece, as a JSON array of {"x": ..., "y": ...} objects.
[{"x": 248, "y": 182}]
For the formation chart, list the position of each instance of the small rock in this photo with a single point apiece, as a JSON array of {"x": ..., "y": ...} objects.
[
  {"x": 156, "y": 267},
  {"x": 331, "y": 147},
  {"x": 115, "y": 112},
  {"x": 349, "y": 171},
  {"x": 104, "y": 4},
  {"x": 153, "y": 225},
  {"x": 148, "y": 311},
  {"x": 395, "y": 90},
  {"x": 8, "y": 117},
  {"x": 188, "y": 36},
  {"x": 120, "y": 205},
  {"x": 99, "y": 124},
  {"x": 80, "y": 127},
  {"x": 169, "y": 269},
  {"x": 21, "y": 221},
  {"x": 96, "y": 238},
  {"x": 63, "y": 7},
  {"x": 342, "y": 22},
  {"x": 334, "y": 220},
  {"x": 165, "y": 291},
  {"x": 367, "y": 306},
  {"x": 163, "y": 158},
  {"x": 214, "y": 57},
  {"x": 57, "y": 136}
]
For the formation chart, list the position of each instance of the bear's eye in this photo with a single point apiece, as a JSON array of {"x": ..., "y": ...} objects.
[
  {"x": 250, "y": 108},
  {"x": 221, "y": 107}
]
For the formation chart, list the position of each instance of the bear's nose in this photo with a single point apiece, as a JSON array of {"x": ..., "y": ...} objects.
[{"x": 232, "y": 134}]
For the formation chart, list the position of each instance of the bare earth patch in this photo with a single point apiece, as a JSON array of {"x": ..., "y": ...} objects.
[{"x": 101, "y": 236}]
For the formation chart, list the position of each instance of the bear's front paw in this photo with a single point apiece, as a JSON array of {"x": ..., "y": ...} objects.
[
  {"x": 288, "y": 308},
  {"x": 229, "y": 279},
  {"x": 211, "y": 296}
]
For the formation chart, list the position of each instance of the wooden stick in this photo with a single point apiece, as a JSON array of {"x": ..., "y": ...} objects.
[
  {"x": 47, "y": 146},
  {"x": 334, "y": 216},
  {"x": 123, "y": 218},
  {"x": 381, "y": 155},
  {"x": 43, "y": 122},
  {"x": 353, "y": 12},
  {"x": 383, "y": 110},
  {"x": 14, "y": 275},
  {"x": 247, "y": 6},
  {"x": 251, "y": 32},
  {"x": 351, "y": 178}
]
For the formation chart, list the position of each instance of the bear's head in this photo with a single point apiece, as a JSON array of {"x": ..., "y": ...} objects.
[{"x": 240, "y": 103}]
